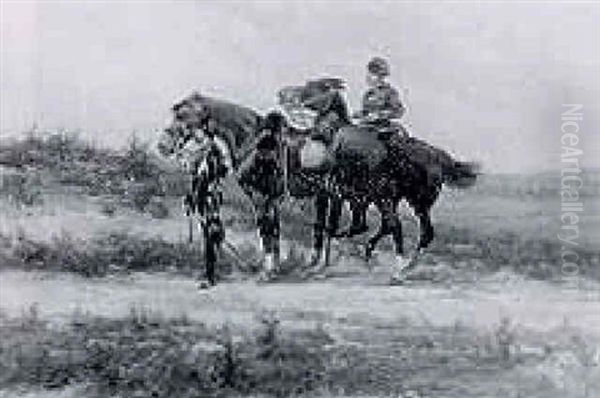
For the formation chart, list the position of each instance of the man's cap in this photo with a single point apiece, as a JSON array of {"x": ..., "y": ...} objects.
[{"x": 378, "y": 67}]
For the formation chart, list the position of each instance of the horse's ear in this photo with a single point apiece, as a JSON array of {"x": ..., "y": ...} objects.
[
  {"x": 177, "y": 106},
  {"x": 288, "y": 94},
  {"x": 196, "y": 96}
]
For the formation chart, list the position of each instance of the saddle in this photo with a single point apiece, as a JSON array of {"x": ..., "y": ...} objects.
[{"x": 363, "y": 144}]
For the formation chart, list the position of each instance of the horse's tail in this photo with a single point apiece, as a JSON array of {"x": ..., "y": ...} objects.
[
  {"x": 437, "y": 161},
  {"x": 460, "y": 174}
]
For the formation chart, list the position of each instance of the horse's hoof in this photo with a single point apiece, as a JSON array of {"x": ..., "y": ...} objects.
[
  {"x": 397, "y": 280},
  {"x": 307, "y": 273},
  {"x": 266, "y": 277},
  {"x": 369, "y": 264},
  {"x": 319, "y": 276},
  {"x": 315, "y": 259},
  {"x": 313, "y": 271},
  {"x": 205, "y": 285},
  {"x": 314, "y": 276}
]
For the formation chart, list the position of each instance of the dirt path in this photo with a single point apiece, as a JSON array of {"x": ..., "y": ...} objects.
[
  {"x": 356, "y": 309},
  {"x": 533, "y": 305}
]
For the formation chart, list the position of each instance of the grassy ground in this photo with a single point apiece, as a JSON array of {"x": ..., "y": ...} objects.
[
  {"x": 71, "y": 207},
  {"x": 71, "y": 232},
  {"x": 147, "y": 354}
]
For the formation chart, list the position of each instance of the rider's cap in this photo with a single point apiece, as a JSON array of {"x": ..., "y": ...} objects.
[{"x": 378, "y": 67}]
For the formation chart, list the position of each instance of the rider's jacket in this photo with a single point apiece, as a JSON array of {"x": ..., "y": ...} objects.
[{"x": 381, "y": 104}]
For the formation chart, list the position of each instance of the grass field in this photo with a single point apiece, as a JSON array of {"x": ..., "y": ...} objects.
[{"x": 98, "y": 296}]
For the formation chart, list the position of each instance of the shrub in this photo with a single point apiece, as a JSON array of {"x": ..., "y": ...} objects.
[
  {"x": 145, "y": 354},
  {"x": 98, "y": 256}
]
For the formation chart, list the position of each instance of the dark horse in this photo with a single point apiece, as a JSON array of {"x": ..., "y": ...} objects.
[{"x": 369, "y": 165}]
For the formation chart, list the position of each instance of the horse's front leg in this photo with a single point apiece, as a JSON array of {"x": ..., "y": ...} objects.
[
  {"x": 358, "y": 225},
  {"x": 267, "y": 223},
  {"x": 269, "y": 230},
  {"x": 391, "y": 224},
  {"x": 373, "y": 240},
  {"x": 426, "y": 235},
  {"x": 319, "y": 228}
]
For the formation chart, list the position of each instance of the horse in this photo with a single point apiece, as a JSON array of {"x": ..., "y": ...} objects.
[
  {"x": 254, "y": 149},
  {"x": 380, "y": 167}
]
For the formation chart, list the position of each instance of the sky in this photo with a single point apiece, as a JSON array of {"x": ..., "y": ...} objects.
[{"x": 485, "y": 80}]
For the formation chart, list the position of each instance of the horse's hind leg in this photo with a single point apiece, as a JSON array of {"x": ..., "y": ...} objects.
[
  {"x": 426, "y": 227},
  {"x": 400, "y": 264},
  {"x": 391, "y": 224},
  {"x": 358, "y": 224},
  {"x": 335, "y": 213},
  {"x": 269, "y": 226},
  {"x": 386, "y": 227},
  {"x": 425, "y": 237},
  {"x": 322, "y": 205},
  {"x": 373, "y": 240},
  {"x": 210, "y": 255}
]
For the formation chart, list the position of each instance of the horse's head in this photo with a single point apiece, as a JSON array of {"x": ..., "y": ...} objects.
[
  {"x": 185, "y": 133},
  {"x": 188, "y": 118}
]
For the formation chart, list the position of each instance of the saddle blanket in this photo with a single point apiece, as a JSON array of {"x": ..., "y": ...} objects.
[{"x": 314, "y": 155}]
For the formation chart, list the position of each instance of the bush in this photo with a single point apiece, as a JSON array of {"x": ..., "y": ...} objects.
[
  {"x": 23, "y": 188},
  {"x": 134, "y": 173},
  {"x": 103, "y": 255},
  {"x": 147, "y": 355}
]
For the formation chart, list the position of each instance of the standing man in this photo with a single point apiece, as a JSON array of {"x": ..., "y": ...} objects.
[{"x": 206, "y": 199}]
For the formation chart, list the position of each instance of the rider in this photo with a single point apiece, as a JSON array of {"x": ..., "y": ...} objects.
[
  {"x": 381, "y": 102},
  {"x": 381, "y": 105}
]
